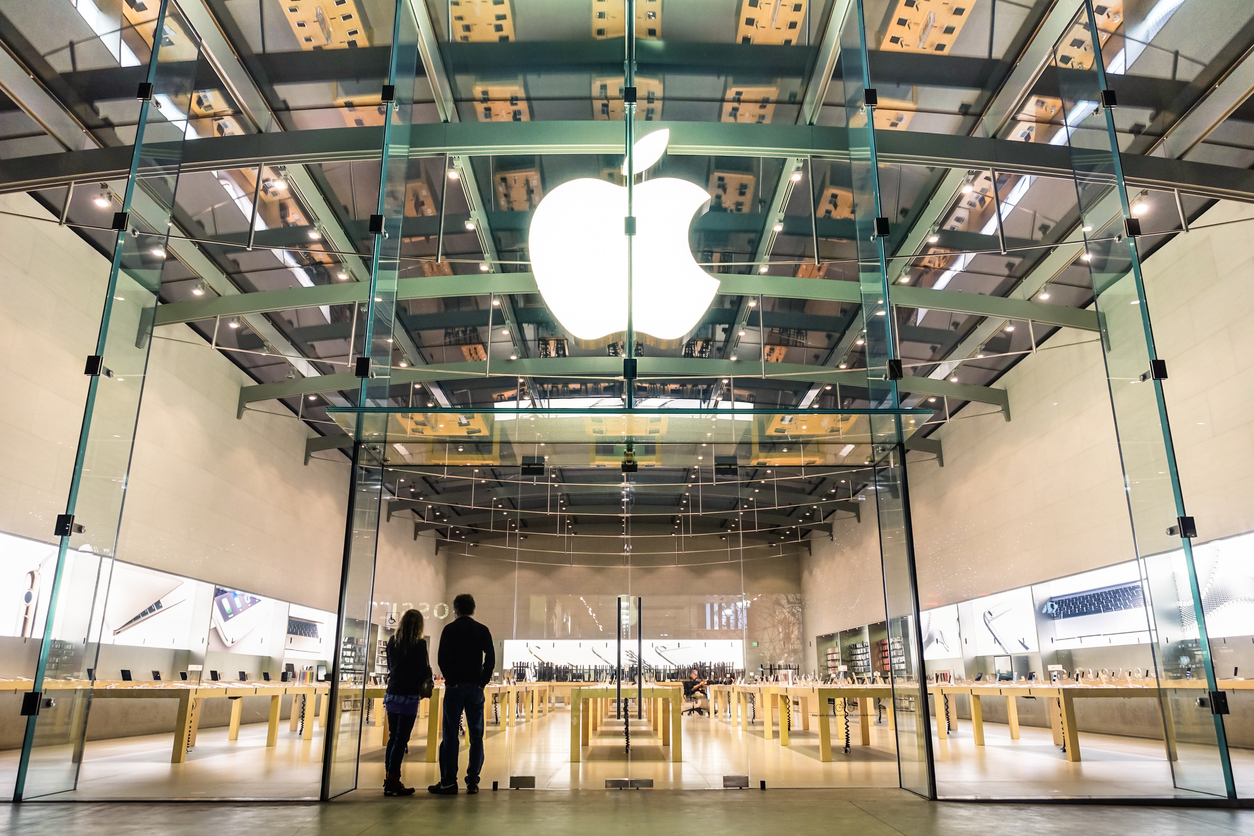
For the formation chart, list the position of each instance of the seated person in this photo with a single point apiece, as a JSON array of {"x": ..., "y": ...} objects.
[{"x": 696, "y": 693}]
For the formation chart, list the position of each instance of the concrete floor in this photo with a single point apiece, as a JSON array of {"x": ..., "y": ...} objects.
[{"x": 578, "y": 813}]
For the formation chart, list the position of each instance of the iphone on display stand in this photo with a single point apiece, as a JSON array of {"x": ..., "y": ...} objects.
[{"x": 236, "y": 614}]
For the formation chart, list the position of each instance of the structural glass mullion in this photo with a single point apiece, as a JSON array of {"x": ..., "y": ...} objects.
[
  {"x": 373, "y": 366},
  {"x": 56, "y": 722}
]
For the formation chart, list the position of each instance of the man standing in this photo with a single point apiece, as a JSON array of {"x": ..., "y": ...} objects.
[{"x": 466, "y": 660}]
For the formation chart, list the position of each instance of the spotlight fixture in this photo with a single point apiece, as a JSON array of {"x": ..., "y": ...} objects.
[
  {"x": 342, "y": 276},
  {"x": 753, "y": 303},
  {"x": 314, "y": 235},
  {"x": 234, "y": 323},
  {"x": 763, "y": 268},
  {"x": 199, "y": 289},
  {"x": 452, "y": 174},
  {"x": 777, "y": 228},
  {"x": 470, "y": 226},
  {"x": 159, "y": 252},
  {"x": 796, "y": 176},
  {"x": 496, "y": 303},
  {"x": 1043, "y": 295},
  {"x": 953, "y": 379},
  {"x": 1086, "y": 257},
  {"x": 483, "y": 267},
  {"x": 934, "y": 239},
  {"x": 1010, "y": 327}
]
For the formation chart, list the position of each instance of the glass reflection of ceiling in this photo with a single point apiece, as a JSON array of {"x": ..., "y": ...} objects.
[{"x": 658, "y": 437}]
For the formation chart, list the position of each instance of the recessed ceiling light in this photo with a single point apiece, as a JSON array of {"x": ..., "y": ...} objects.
[
  {"x": 452, "y": 174},
  {"x": 483, "y": 267},
  {"x": 934, "y": 239},
  {"x": 796, "y": 176},
  {"x": 314, "y": 235},
  {"x": 342, "y": 276},
  {"x": 199, "y": 289},
  {"x": 777, "y": 228}
]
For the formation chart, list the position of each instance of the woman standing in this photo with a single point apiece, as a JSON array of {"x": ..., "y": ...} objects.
[{"x": 409, "y": 680}]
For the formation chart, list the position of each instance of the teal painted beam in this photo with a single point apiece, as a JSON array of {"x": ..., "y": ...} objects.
[{"x": 784, "y": 287}]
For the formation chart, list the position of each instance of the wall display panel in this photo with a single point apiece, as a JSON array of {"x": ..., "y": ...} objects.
[
  {"x": 941, "y": 638},
  {"x": 25, "y": 575},
  {"x": 1101, "y": 608},
  {"x": 672, "y": 653},
  {"x": 1005, "y": 624}
]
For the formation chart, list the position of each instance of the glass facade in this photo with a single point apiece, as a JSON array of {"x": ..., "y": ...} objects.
[{"x": 928, "y": 230}]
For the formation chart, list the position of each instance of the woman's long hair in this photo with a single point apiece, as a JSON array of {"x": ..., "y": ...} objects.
[{"x": 409, "y": 633}]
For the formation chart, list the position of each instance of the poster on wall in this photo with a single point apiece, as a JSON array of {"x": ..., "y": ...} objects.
[
  {"x": 310, "y": 633},
  {"x": 1005, "y": 623},
  {"x": 147, "y": 608},
  {"x": 1103, "y": 607},
  {"x": 241, "y": 623},
  {"x": 940, "y": 633},
  {"x": 26, "y": 570},
  {"x": 672, "y": 653},
  {"x": 1225, "y": 576}
]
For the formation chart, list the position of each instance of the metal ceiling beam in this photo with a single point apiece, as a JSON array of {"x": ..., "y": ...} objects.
[
  {"x": 610, "y": 368},
  {"x": 20, "y": 86},
  {"x": 700, "y": 138},
  {"x": 784, "y": 287},
  {"x": 1220, "y": 102}
]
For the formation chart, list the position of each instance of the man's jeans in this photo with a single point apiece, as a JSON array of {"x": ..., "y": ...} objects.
[{"x": 458, "y": 699}]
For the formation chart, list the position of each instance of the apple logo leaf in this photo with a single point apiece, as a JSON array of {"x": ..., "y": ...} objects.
[
  {"x": 578, "y": 250},
  {"x": 648, "y": 150}
]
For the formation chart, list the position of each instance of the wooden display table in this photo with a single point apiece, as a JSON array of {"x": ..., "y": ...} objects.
[{"x": 663, "y": 704}]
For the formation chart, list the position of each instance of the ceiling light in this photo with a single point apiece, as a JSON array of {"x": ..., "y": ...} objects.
[
  {"x": 844, "y": 365},
  {"x": 234, "y": 323},
  {"x": 342, "y": 276},
  {"x": 931, "y": 400},
  {"x": 753, "y": 303},
  {"x": 733, "y": 358},
  {"x": 314, "y": 235},
  {"x": 1140, "y": 208},
  {"x": 199, "y": 289},
  {"x": 404, "y": 364},
  {"x": 777, "y": 228},
  {"x": 278, "y": 184},
  {"x": 505, "y": 331},
  {"x": 313, "y": 397},
  {"x": 496, "y": 303},
  {"x": 429, "y": 403},
  {"x": 452, "y": 174},
  {"x": 953, "y": 379},
  {"x": 483, "y": 267},
  {"x": 905, "y": 280},
  {"x": 1086, "y": 257},
  {"x": 470, "y": 226},
  {"x": 1010, "y": 327},
  {"x": 828, "y": 386},
  {"x": 859, "y": 341},
  {"x": 158, "y": 252},
  {"x": 968, "y": 188},
  {"x": 740, "y": 334},
  {"x": 1043, "y": 295},
  {"x": 935, "y": 239},
  {"x": 796, "y": 176},
  {"x": 513, "y": 357},
  {"x": 763, "y": 268},
  {"x": 880, "y": 312},
  {"x": 102, "y": 200}
]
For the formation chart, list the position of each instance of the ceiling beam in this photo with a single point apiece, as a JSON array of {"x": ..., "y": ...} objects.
[
  {"x": 700, "y": 138},
  {"x": 746, "y": 286}
]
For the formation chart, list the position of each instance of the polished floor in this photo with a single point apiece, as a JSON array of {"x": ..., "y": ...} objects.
[
  {"x": 138, "y": 768},
  {"x": 866, "y": 812}
]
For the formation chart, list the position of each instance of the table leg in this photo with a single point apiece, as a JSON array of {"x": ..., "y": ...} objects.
[
  {"x": 891, "y": 714},
  {"x": 677, "y": 734},
  {"x": 864, "y": 719},
  {"x": 942, "y": 728},
  {"x": 272, "y": 723},
  {"x": 1070, "y": 733},
  {"x": 578, "y": 729},
  {"x": 310, "y": 700},
  {"x": 804, "y": 702},
  {"x": 196, "y": 703},
  {"x": 1055, "y": 719},
  {"x": 182, "y": 728},
  {"x": 744, "y": 711},
  {"x": 237, "y": 711},
  {"x": 435, "y": 715},
  {"x": 507, "y": 697},
  {"x": 785, "y": 718},
  {"x": 588, "y": 708},
  {"x": 294, "y": 720},
  {"x": 668, "y": 721},
  {"x": 324, "y": 709},
  {"x": 1012, "y": 716},
  {"x": 825, "y": 732},
  {"x": 384, "y": 729},
  {"x": 977, "y": 720},
  {"x": 768, "y": 721}
]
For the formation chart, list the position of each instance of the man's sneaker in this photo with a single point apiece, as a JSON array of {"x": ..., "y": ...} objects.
[
  {"x": 471, "y": 789},
  {"x": 442, "y": 789}
]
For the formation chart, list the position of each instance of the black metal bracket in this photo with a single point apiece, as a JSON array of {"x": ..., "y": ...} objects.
[
  {"x": 629, "y": 225},
  {"x": 895, "y": 370},
  {"x": 95, "y": 366},
  {"x": 121, "y": 220},
  {"x": 1109, "y": 99},
  {"x": 1185, "y": 527},
  {"x": 629, "y": 95},
  {"x": 1158, "y": 370},
  {"x": 389, "y": 93},
  {"x": 31, "y": 701},
  {"x": 630, "y": 366},
  {"x": 65, "y": 526},
  {"x": 881, "y": 227},
  {"x": 361, "y": 367},
  {"x": 1132, "y": 227},
  {"x": 871, "y": 96},
  {"x": 144, "y": 92},
  {"x": 376, "y": 224},
  {"x": 1218, "y": 702}
]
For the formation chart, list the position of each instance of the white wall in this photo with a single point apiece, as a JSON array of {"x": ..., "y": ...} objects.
[
  {"x": 209, "y": 496},
  {"x": 1042, "y": 496}
]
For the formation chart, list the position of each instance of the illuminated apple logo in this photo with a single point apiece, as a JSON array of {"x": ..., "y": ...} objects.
[{"x": 579, "y": 253}]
